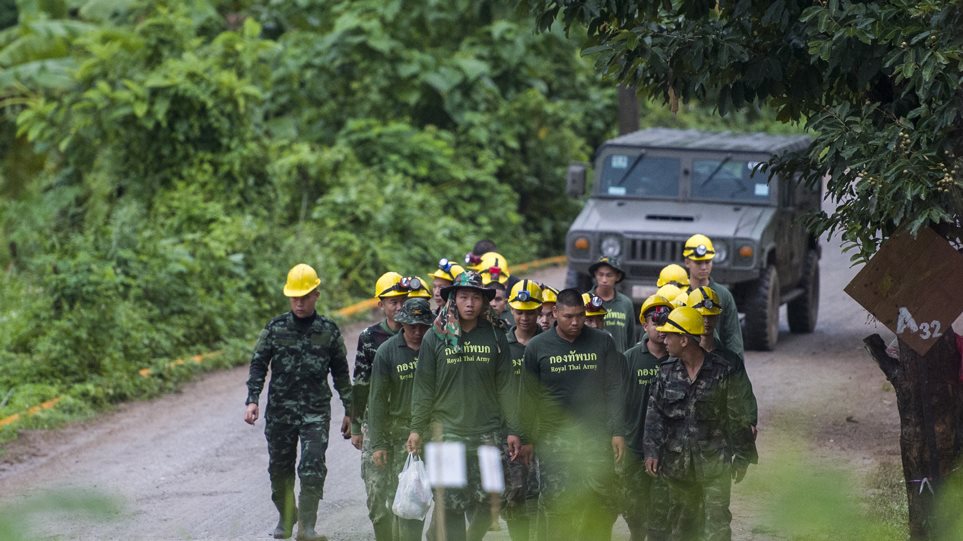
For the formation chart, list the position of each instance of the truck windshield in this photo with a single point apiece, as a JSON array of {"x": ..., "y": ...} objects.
[
  {"x": 639, "y": 175},
  {"x": 727, "y": 179}
]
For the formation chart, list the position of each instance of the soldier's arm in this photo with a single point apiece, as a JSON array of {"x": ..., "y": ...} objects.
[
  {"x": 507, "y": 388},
  {"x": 362, "y": 376},
  {"x": 616, "y": 375},
  {"x": 423, "y": 390},
  {"x": 380, "y": 401},
  {"x": 260, "y": 361},
  {"x": 339, "y": 368},
  {"x": 654, "y": 435},
  {"x": 732, "y": 338},
  {"x": 739, "y": 426}
]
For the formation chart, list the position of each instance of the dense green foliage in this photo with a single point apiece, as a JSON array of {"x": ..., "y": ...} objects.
[
  {"x": 167, "y": 162},
  {"x": 879, "y": 83}
]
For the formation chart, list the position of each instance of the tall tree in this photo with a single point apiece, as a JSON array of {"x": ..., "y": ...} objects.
[{"x": 879, "y": 84}]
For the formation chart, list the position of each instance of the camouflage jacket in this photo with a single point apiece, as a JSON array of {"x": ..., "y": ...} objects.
[
  {"x": 697, "y": 428},
  {"x": 300, "y": 354},
  {"x": 369, "y": 341}
]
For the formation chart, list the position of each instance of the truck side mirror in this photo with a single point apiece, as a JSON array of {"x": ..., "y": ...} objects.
[{"x": 575, "y": 180}]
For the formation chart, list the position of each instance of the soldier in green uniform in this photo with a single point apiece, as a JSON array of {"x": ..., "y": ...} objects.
[
  {"x": 521, "y": 488},
  {"x": 574, "y": 402},
  {"x": 463, "y": 392},
  {"x": 499, "y": 302},
  {"x": 697, "y": 433},
  {"x": 642, "y": 362},
  {"x": 698, "y": 253},
  {"x": 620, "y": 316},
  {"x": 300, "y": 348},
  {"x": 391, "y": 294},
  {"x": 389, "y": 408}
]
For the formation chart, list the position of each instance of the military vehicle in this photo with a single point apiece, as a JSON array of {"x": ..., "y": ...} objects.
[{"x": 655, "y": 188}]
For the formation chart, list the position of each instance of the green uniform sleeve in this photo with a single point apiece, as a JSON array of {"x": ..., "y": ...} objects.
[
  {"x": 739, "y": 423},
  {"x": 507, "y": 387},
  {"x": 423, "y": 393},
  {"x": 380, "y": 401},
  {"x": 616, "y": 374},
  {"x": 359, "y": 389},
  {"x": 260, "y": 360},
  {"x": 730, "y": 332},
  {"x": 654, "y": 435},
  {"x": 339, "y": 369},
  {"x": 532, "y": 395}
]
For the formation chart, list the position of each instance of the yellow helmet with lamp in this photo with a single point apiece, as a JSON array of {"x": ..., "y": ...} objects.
[
  {"x": 549, "y": 294},
  {"x": 683, "y": 320},
  {"x": 389, "y": 285},
  {"x": 705, "y": 301},
  {"x": 698, "y": 248},
  {"x": 302, "y": 279},
  {"x": 660, "y": 304},
  {"x": 447, "y": 270},
  {"x": 593, "y": 305},
  {"x": 525, "y": 295},
  {"x": 493, "y": 268},
  {"x": 418, "y": 288}
]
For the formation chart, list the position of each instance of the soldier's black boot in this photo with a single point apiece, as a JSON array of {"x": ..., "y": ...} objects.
[
  {"x": 308, "y": 517},
  {"x": 282, "y": 494}
]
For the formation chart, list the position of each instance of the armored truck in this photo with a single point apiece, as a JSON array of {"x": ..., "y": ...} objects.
[{"x": 655, "y": 188}]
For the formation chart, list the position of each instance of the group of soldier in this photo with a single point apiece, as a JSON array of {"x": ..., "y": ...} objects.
[{"x": 594, "y": 417}]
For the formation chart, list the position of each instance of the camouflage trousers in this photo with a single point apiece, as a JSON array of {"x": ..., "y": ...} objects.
[
  {"x": 634, "y": 491},
  {"x": 699, "y": 508},
  {"x": 283, "y": 439},
  {"x": 578, "y": 491},
  {"x": 377, "y": 484}
]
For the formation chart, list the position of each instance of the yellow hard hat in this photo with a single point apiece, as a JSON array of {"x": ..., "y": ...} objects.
[
  {"x": 673, "y": 274},
  {"x": 493, "y": 267},
  {"x": 549, "y": 294},
  {"x": 705, "y": 301},
  {"x": 656, "y": 302},
  {"x": 593, "y": 305},
  {"x": 698, "y": 248},
  {"x": 389, "y": 285},
  {"x": 420, "y": 292},
  {"x": 447, "y": 270},
  {"x": 683, "y": 320},
  {"x": 302, "y": 279},
  {"x": 669, "y": 292},
  {"x": 680, "y": 299},
  {"x": 525, "y": 295}
]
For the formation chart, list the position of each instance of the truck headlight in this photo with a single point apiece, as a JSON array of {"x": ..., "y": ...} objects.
[
  {"x": 611, "y": 246},
  {"x": 722, "y": 252}
]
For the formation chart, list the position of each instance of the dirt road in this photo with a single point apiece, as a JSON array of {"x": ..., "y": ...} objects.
[{"x": 185, "y": 466}]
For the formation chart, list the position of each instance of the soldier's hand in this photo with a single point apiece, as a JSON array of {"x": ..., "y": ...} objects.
[
  {"x": 739, "y": 472},
  {"x": 618, "y": 448},
  {"x": 526, "y": 454},
  {"x": 357, "y": 440},
  {"x": 346, "y": 427},
  {"x": 755, "y": 431},
  {"x": 413, "y": 445},
  {"x": 380, "y": 458},
  {"x": 514, "y": 447},
  {"x": 652, "y": 466},
  {"x": 250, "y": 414}
]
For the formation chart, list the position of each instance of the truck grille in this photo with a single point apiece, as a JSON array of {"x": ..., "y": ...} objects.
[{"x": 654, "y": 250}]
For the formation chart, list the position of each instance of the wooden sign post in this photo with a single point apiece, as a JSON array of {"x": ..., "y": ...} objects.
[{"x": 912, "y": 286}]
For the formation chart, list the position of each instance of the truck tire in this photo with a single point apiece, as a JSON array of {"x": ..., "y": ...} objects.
[
  {"x": 762, "y": 312},
  {"x": 578, "y": 280},
  {"x": 804, "y": 310}
]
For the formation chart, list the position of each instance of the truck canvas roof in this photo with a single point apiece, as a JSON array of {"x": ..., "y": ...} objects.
[{"x": 666, "y": 138}]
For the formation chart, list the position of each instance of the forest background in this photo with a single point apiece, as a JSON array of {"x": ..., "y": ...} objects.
[{"x": 163, "y": 163}]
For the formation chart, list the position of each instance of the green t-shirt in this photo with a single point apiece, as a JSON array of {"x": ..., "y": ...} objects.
[
  {"x": 392, "y": 380},
  {"x": 468, "y": 391},
  {"x": 642, "y": 368},
  {"x": 620, "y": 320},
  {"x": 574, "y": 385},
  {"x": 728, "y": 329}
]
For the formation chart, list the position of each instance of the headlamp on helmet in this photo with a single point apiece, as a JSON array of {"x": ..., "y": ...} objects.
[
  {"x": 410, "y": 283},
  {"x": 445, "y": 265}
]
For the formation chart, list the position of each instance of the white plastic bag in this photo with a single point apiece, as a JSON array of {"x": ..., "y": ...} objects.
[{"x": 413, "y": 496}]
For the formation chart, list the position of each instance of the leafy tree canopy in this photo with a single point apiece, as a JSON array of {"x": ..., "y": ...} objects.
[{"x": 880, "y": 85}]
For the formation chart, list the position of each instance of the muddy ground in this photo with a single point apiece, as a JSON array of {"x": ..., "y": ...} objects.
[{"x": 185, "y": 466}]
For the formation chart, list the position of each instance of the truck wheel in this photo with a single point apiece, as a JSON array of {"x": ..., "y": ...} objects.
[
  {"x": 804, "y": 310},
  {"x": 762, "y": 312},
  {"x": 578, "y": 280}
]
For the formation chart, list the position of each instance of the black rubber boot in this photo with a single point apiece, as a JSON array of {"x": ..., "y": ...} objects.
[
  {"x": 282, "y": 494},
  {"x": 308, "y": 517}
]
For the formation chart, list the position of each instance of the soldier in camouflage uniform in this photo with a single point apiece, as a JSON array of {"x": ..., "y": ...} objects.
[
  {"x": 300, "y": 348},
  {"x": 697, "y": 431},
  {"x": 389, "y": 411},
  {"x": 391, "y": 294}
]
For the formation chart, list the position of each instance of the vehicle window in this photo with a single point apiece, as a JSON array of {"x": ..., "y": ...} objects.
[
  {"x": 634, "y": 175},
  {"x": 729, "y": 180}
]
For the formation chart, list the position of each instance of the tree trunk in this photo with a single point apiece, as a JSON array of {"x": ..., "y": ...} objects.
[
  {"x": 628, "y": 110},
  {"x": 928, "y": 397}
]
